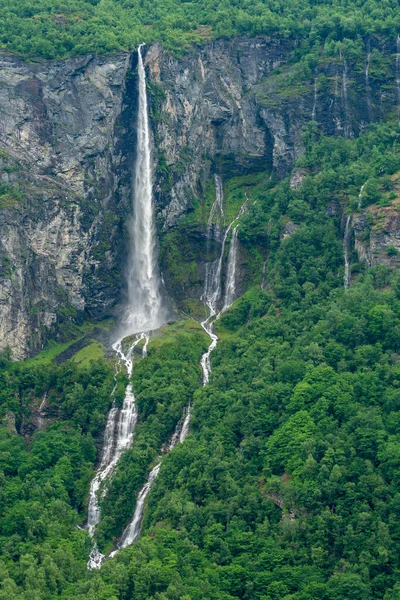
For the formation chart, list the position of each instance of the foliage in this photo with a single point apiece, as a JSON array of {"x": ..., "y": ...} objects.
[{"x": 51, "y": 28}]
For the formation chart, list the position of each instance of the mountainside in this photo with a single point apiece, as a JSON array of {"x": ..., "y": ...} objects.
[
  {"x": 68, "y": 147},
  {"x": 243, "y": 192}
]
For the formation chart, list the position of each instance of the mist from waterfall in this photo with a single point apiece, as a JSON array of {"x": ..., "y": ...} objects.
[
  {"x": 211, "y": 297},
  {"x": 145, "y": 310}
]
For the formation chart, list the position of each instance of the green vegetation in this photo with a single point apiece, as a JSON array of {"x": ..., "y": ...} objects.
[
  {"x": 93, "y": 351},
  {"x": 164, "y": 384},
  {"x": 287, "y": 486},
  {"x": 51, "y": 28}
]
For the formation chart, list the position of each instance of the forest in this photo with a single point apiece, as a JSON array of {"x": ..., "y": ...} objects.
[
  {"x": 287, "y": 486},
  {"x": 53, "y": 29}
]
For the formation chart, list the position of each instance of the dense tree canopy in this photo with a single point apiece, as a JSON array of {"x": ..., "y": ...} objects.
[
  {"x": 287, "y": 487},
  {"x": 52, "y": 28}
]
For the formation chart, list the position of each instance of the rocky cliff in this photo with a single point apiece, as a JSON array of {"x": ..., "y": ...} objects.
[{"x": 67, "y": 145}]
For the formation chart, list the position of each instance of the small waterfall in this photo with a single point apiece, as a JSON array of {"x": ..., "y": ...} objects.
[
  {"x": 367, "y": 82},
  {"x": 185, "y": 426},
  {"x": 346, "y": 249},
  {"x": 230, "y": 287},
  {"x": 132, "y": 532},
  {"x": 144, "y": 313},
  {"x": 360, "y": 195},
  {"x": 398, "y": 72},
  {"x": 216, "y": 216},
  {"x": 347, "y": 129},
  {"x": 314, "y": 110}
]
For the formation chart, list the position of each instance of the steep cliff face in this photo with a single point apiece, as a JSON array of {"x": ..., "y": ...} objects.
[
  {"x": 240, "y": 106},
  {"x": 67, "y": 145},
  {"x": 59, "y": 176}
]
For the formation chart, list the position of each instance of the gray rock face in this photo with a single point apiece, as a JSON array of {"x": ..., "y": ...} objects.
[
  {"x": 207, "y": 117},
  {"x": 58, "y": 178},
  {"x": 67, "y": 146}
]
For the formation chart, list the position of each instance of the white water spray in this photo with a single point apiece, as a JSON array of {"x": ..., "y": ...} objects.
[
  {"x": 144, "y": 312},
  {"x": 132, "y": 531},
  {"x": 230, "y": 286},
  {"x": 346, "y": 249}
]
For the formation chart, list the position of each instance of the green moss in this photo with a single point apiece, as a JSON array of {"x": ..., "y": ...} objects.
[
  {"x": 172, "y": 332},
  {"x": 93, "y": 351}
]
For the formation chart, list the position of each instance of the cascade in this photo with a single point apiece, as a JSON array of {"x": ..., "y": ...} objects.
[
  {"x": 346, "y": 248},
  {"x": 314, "y": 110},
  {"x": 118, "y": 437},
  {"x": 230, "y": 286},
  {"x": 211, "y": 297},
  {"x": 398, "y": 72},
  {"x": 346, "y": 97},
  {"x": 367, "y": 83},
  {"x": 132, "y": 531},
  {"x": 360, "y": 195},
  {"x": 144, "y": 312}
]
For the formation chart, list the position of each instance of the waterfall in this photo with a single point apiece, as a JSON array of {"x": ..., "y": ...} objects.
[
  {"x": 212, "y": 290},
  {"x": 367, "y": 84},
  {"x": 211, "y": 297},
  {"x": 230, "y": 287},
  {"x": 118, "y": 437},
  {"x": 144, "y": 311},
  {"x": 314, "y": 110},
  {"x": 132, "y": 531},
  {"x": 346, "y": 248},
  {"x": 360, "y": 195},
  {"x": 398, "y": 72},
  {"x": 346, "y": 98}
]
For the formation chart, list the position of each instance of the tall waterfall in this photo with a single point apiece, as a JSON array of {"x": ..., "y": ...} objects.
[
  {"x": 144, "y": 312},
  {"x": 346, "y": 250},
  {"x": 211, "y": 297}
]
